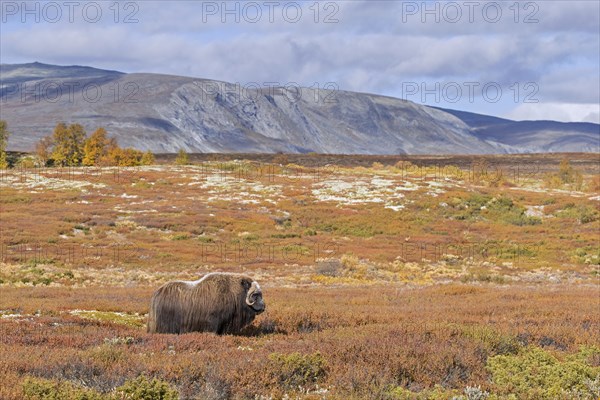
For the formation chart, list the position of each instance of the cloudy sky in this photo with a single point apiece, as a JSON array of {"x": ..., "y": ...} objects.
[{"x": 521, "y": 60}]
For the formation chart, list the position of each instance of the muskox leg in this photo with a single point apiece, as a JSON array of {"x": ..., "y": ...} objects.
[
  {"x": 227, "y": 326},
  {"x": 213, "y": 326},
  {"x": 165, "y": 318},
  {"x": 173, "y": 320},
  {"x": 151, "y": 327},
  {"x": 152, "y": 317}
]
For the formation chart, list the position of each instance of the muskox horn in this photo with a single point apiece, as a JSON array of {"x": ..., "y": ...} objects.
[{"x": 253, "y": 288}]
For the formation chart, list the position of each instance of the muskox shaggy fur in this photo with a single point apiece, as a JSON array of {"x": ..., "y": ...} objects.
[{"x": 218, "y": 302}]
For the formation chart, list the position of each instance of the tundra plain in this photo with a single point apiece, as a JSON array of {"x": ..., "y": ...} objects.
[{"x": 384, "y": 277}]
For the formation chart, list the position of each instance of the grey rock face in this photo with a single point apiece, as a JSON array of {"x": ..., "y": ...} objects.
[{"x": 165, "y": 113}]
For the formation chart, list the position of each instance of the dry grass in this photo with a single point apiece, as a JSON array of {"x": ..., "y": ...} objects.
[
  {"x": 379, "y": 278},
  {"x": 371, "y": 339}
]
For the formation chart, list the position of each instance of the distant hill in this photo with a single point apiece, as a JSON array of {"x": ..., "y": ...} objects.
[
  {"x": 164, "y": 113},
  {"x": 546, "y": 136}
]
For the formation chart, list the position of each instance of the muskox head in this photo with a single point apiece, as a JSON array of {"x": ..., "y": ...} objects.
[{"x": 254, "y": 298}]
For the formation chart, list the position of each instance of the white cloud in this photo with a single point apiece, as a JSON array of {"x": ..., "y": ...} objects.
[
  {"x": 564, "y": 112},
  {"x": 375, "y": 47}
]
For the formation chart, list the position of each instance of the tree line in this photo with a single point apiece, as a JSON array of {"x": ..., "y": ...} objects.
[
  {"x": 69, "y": 145},
  {"x": 3, "y": 142}
]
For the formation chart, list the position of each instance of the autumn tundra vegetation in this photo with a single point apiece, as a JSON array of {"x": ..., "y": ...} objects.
[{"x": 385, "y": 277}]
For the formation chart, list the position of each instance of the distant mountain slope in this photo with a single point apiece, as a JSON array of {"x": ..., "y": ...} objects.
[
  {"x": 546, "y": 136},
  {"x": 165, "y": 113}
]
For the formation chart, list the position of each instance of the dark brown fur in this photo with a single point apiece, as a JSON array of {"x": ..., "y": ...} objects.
[{"x": 216, "y": 303}]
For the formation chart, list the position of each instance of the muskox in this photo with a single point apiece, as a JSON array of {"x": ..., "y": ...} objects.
[{"x": 221, "y": 303}]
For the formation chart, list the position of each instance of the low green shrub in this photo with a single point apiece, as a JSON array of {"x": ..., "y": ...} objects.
[
  {"x": 297, "y": 370},
  {"x": 143, "y": 388},
  {"x": 140, "y": 388},
  {"x": 584, "y": 214},
  {"x": 436, "y": 393},
  {"x": 502, "y": 209},
  {"x": 44, "y": 389},
  {"x": 536, "y": 374}
]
